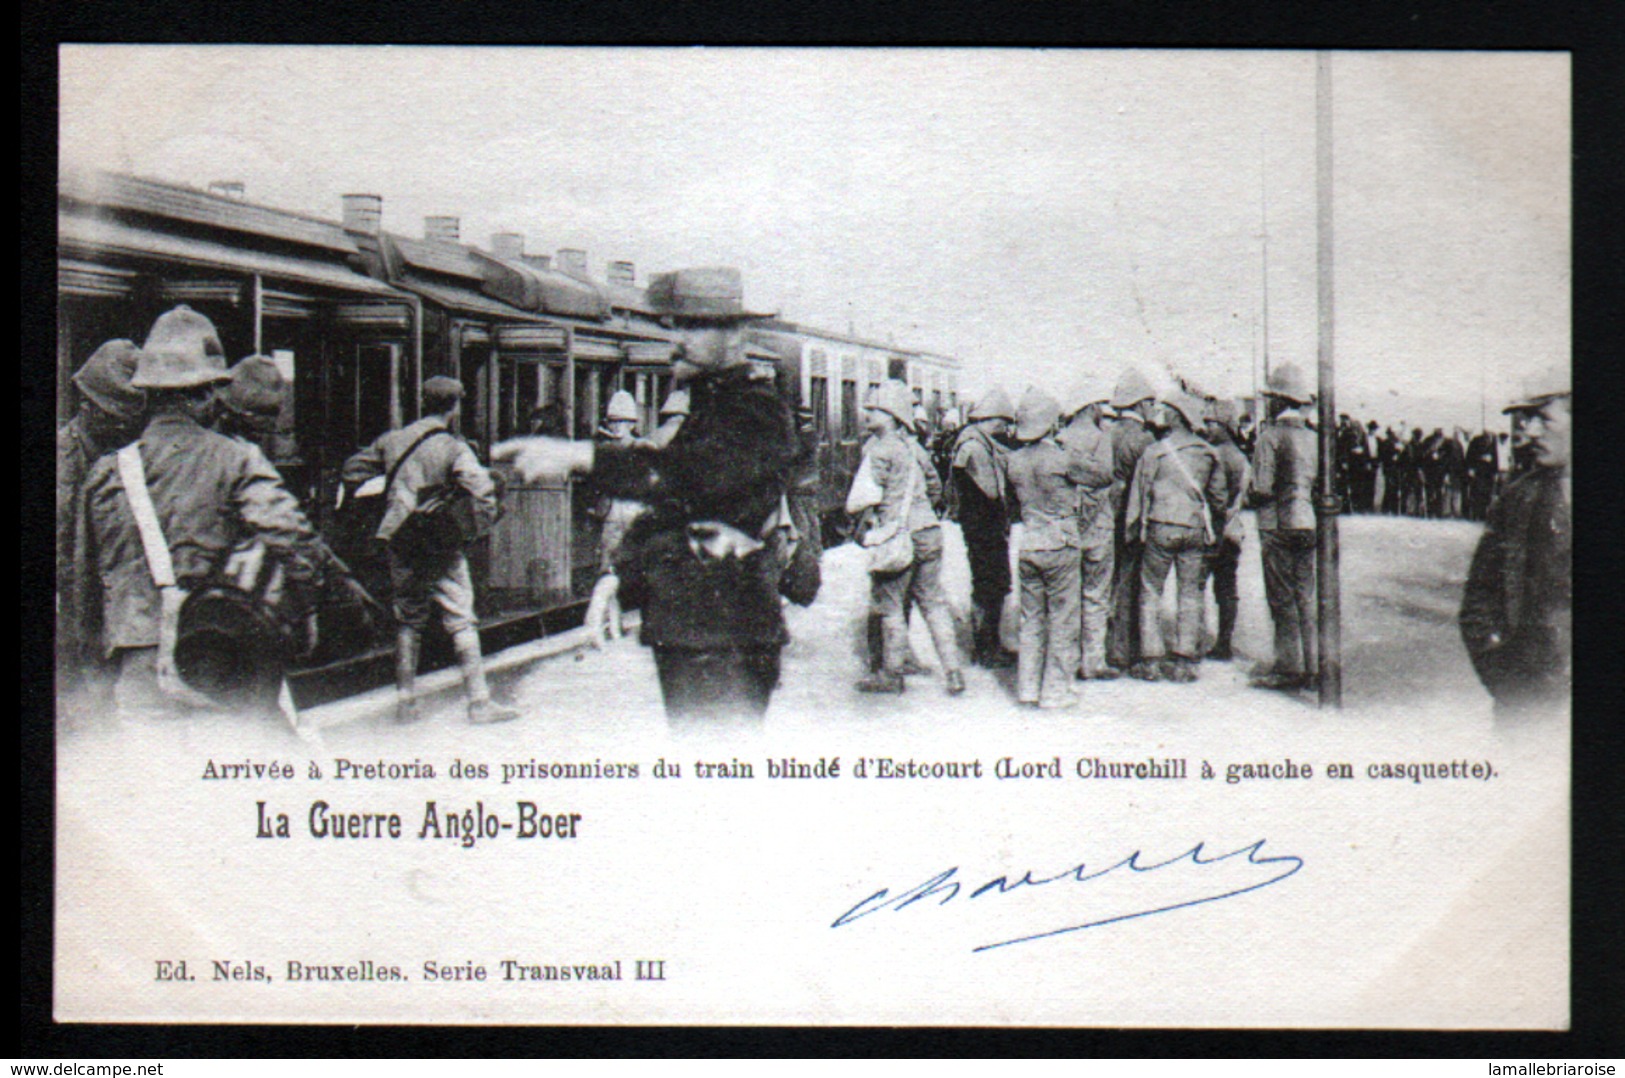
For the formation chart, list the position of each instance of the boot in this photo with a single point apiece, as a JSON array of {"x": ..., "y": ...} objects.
[
  {"x": 1146, "y": 670},
  {"x": 486, "y": 712},
  {"x": 480, "y": 708},
  {"x": 912, "y": 666},
  {"x": 956, "y": 683},
  {"x": 1181, "y": 671},
  {"x": 883, "y": 682},
  {"x": 407, "y": 643}
]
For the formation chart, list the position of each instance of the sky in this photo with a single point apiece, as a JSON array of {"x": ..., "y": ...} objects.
[{"x": 1039, "y": 214}]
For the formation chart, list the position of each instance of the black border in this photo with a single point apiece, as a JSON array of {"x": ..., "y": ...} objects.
[{"x": 1590, "y": 31}]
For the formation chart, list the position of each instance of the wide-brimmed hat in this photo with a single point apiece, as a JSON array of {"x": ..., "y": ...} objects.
[
  {"x": 1542, "y": 386},
  {"x": 995, "y": 404},
  {"x": 896, "y": 400},
  {"x": 1288, "y": 382},
  {"x": 183, "y": 351},
  {"x": 1037, "y": 415},
  {"x": 702, "y": 294},
  {"x": 1132, "y": 388},
  {"x": 105, "y": 380},
  {"x": 256, "y": 389}
]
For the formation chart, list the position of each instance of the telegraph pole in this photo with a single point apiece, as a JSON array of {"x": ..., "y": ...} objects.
[
  {"x": 1326, "y": 552},
  {"x": 1264, "y": 234}
]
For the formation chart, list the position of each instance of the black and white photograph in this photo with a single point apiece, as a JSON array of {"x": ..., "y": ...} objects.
[{"x": 813, "y": 536}]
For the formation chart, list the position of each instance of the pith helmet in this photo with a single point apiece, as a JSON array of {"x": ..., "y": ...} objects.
[
  {"x": 1289, "y": 382},
  {"x": 895, "y": 399},
  {"x": 1037, "y": 415},
  {"x": 182, "y": 352},
  {"x": 105, "y": 380},
  {"x": 1188, "y": 406},
  {"x": 1132, "y": 388},
  {"x": 1223, "y": 412},
  {"x": 1082, "y": 394},
  {"x": 256, "y": 388},
  {"x": 676, "y": 404},
  {"x": 1541, "y": 387},
  {"x": 995, "y": 404},
  {"x": 950, "y": 419},
  {"x": 621, "y": 406},
  {"x": 922, "y": 418}
]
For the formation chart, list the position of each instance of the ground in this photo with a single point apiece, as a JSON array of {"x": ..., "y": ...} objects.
[{"x": 1402, "y": 581}]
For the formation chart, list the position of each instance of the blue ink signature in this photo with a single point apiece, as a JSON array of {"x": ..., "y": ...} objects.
[{"x": 949, "y": 888}]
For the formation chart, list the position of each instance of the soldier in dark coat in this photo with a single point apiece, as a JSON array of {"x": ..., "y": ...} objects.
[
  {"x": 704, "y": 562},
  {"x": 981, "y": 492},
  {"x": 109, "y": 417},
  {"x": 1390, "y": 447},
  {"x": 1483, "y": 466},
  {"x": 209, "y": 495},
  {"x": 1517, "y": 608}
]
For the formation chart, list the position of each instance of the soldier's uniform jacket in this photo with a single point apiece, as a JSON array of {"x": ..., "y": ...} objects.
[
  {"x": 730, "y": 463},
  {"x": 892, "y": 461},
  {"x": 983, "y": 461},
  {"x": 1130, "y": 439},
  {"x": 1093, "y": 448},
  {"x": 210, "y": 493},
  {"x": 433, "y": 463},
  {"x": 1517, "y": 607},
  {"x": 1179, "y": 480},
  {"x": 76, "y": 452},
  {"x": 1285, "y": 464},
  {"x": 1046, "y": 476},
  {"x": 1236, "y": 468}
]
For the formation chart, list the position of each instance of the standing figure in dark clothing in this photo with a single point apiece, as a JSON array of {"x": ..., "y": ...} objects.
[
  {"x": 1518, "y": 606},
  {"x": 982, "y": 492},
  {"x": 1390, "y": 448},
  {"x": 1135, "y": 402},
  {"x": 1226, "y": 560},
  {"x": 704, "y": 563},
  {"x": 109, "y": 418},
  {"x": 1483, "y": 465},
  {"x": 1413, "y": 488},
  {"x": 1285, "y": 468},
  {"x": 1435, "y": 469}
]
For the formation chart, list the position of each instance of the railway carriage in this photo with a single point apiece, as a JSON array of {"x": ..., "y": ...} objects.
[{"x": 357, "y": 317}]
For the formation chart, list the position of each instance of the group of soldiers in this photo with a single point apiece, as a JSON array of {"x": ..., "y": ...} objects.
[
  {"x": 188, "y": 574},
  {"x": 1439, "y": 476},
  {"x": 1115, "y": 487}
]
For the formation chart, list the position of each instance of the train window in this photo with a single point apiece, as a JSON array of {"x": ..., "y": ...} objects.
[
  {"x": 849, "y": 409},
  {"x": 820, "y": 406},
  {"x": 371, "y": 383}
]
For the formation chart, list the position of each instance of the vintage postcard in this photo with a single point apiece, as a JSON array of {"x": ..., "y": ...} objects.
[{"x": 813, "y": 536}]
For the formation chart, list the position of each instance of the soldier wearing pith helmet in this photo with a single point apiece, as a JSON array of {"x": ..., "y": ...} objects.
[
  {"x": 981, "y": 492},
  {"x": 1176, "y": 506},
  {"x": 1518, "y": 606},
  {"x": 108, "y": 417},
  {"x": 1084, "y": 413},
  {"x": 1286, "y": 462},
  {"x": 1134, "y": 401},
  {"x": 1045, "y": 476},
  {"x": 208, "y": 494}
]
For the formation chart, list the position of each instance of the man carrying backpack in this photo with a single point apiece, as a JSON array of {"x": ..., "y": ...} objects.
[{"x": 416, "y": 462}]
